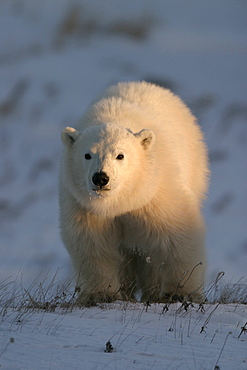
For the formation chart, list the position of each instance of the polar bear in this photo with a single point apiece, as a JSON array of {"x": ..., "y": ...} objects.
[{"x": 133, "y": 177}]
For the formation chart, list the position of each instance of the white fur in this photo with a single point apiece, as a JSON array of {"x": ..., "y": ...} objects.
[{"x": 143, "y": 229}]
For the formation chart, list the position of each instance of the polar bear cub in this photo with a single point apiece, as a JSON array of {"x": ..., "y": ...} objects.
[{"x": 133, "y": 177}]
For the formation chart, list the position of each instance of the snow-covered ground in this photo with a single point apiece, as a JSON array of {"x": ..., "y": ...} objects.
[
  {"x": 55, "y": 58},
  {"x": 152, "y": 339}
]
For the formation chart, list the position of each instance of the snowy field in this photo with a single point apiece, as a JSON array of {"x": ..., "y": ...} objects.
[
  {"x": 55, "y": 57},
  {"x": 140, "y": 339}
]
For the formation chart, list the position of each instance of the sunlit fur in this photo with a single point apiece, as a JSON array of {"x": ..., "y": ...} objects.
[{"x": 143, "y": 230}]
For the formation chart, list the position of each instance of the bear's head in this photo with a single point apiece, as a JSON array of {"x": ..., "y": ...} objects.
[{"x": 108, "y": 168}]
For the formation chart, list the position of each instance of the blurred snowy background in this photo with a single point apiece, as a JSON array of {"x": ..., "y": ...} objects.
[{"x": 56, "y": 56}]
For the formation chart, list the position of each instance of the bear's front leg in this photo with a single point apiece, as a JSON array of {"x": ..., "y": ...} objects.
[
  {"x": 92, "y": 243},
  {"x": 96, "y": 261},
  {"x": 168, "y": 277},
  {"x": 174, "y": 265},
  {"x": 182, "y": 272},
  {"x": 97, "y": 277}
]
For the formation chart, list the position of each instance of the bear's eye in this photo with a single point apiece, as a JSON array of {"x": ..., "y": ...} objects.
[
  {"x": 88, "y": 156},
  {"x": 120, "y": 157}
]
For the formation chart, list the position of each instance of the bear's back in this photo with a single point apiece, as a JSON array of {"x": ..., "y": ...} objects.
[
  {"x": 172, "y": 121},
  {"x": 141, "y": 105}
]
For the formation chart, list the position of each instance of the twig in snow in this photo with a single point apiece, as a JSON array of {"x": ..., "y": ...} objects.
[
  {"x": 243, "y": 329},
  {"x": 216, "y": 365},
  {"x": 208, "y": 319}
]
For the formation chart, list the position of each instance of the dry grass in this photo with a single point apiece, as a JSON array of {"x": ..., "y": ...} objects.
[
  {"x": 18, "y": 305},
  {"x": 50, "y": 295}
]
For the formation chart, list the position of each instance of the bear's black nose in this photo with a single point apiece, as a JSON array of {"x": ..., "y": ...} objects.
[{"x": 100, "y": 179}]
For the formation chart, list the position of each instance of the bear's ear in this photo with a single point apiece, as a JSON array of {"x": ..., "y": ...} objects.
[
  {"x": 146, "y": 138},
  {"x": 69, "y": 135}
]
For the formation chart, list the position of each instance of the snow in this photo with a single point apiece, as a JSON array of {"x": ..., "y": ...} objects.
[
  {"x": 55, "y": 58},
  {"x": 142, "y": 338}
]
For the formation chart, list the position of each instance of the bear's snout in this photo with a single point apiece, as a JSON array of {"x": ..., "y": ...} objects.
[{"x": 100, "y": 179}]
